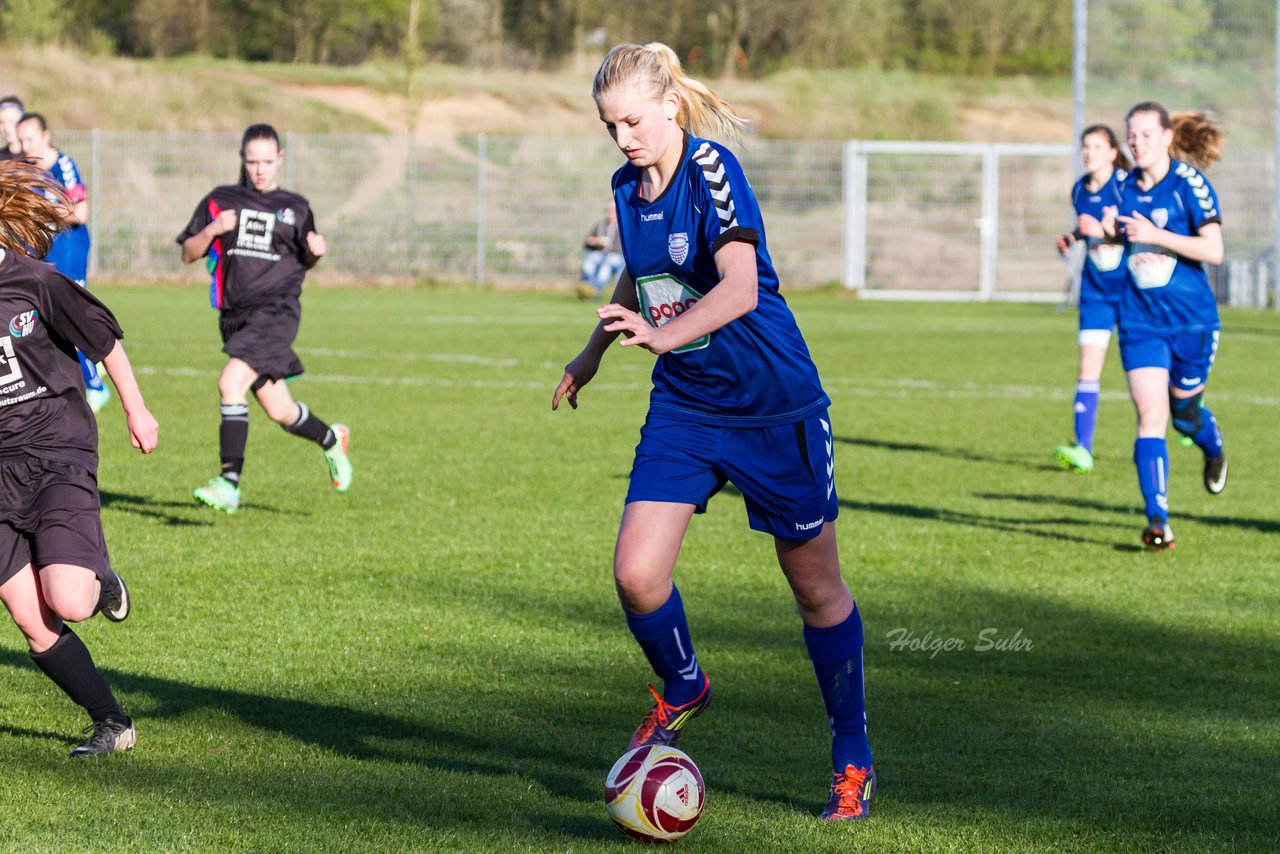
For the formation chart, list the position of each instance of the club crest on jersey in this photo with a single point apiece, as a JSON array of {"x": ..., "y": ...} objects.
[
  {"x": 678, "y": 246},
  {"x": 23, "y": 324},
  {"x": 1160, "y": 217},
  {"x": 287, "y": 216}
]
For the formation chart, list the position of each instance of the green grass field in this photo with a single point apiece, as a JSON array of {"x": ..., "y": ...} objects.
[{"x": 436, "y": 660}]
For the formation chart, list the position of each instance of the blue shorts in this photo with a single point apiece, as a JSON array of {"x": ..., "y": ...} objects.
[
  {"x": 1098, "y": 313},
  {"x": 786, "y": 473},
  {"x": 1188, "y": 356}
]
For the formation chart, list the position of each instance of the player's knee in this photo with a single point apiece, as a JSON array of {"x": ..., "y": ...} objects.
[
  {"x": 640, "y": 589},
  {"x": 1188, "y": 417},
  {"x": 231, "y": 389},
  {"x": 73, "y": 607}
]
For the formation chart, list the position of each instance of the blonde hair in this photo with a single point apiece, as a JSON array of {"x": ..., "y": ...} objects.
[
  {"x": 1197, "y": 137},
  {"x": 29, "y": 218},
  {"x": 702, "y": 112}
]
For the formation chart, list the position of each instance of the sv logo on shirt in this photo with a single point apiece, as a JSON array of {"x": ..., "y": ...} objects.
[{"x": 662, "y": 299}]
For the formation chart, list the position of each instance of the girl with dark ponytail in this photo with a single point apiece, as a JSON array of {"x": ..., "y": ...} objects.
[
  {"x": 260, "y": 240},
  {"x": 1102, "y": 282}
]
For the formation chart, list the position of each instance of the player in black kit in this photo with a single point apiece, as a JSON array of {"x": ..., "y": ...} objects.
[
  {"x": 260, "y": 241},
  {"x": 54, "y": 565}
]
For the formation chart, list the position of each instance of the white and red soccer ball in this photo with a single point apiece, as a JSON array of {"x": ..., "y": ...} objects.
[{"x": 654, "y": 793}]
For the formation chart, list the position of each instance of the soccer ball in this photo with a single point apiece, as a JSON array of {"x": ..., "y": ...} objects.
[{"x": 654, "y": 793}]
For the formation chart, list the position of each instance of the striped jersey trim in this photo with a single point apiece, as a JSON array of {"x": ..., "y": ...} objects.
[{"x": 718, "y": 183}]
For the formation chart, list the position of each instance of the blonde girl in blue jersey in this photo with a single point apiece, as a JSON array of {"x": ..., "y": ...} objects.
[
  {"x": 1102, "y": 282},
  {"x": 1171, "y": 225},
  {"x": 736, "y": 398}
]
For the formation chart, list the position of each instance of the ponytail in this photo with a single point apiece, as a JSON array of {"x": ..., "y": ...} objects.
[
  {"x": 702, "y": 112},
  {"x": 252, "y": 132},
  {"x": 31, "y": 207},
  {"x": 1197, "y": 139}
]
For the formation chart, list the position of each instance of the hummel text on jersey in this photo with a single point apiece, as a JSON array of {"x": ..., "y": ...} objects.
[{"x": 650, "y": 217}]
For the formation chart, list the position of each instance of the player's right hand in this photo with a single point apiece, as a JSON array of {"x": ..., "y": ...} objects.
[
  {"x": 1064, "y": 242},
  {"x": 576, "y": 374},
  {"x": 144, "y": 430},
  {"x": 225, "y": 221}
]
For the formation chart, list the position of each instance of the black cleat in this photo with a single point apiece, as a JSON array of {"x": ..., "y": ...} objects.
[
  {"x": 113, "y": 600},
  {"x": 1215, "y": 473},
  {"x": 1157, "y": 534},
  {"x": 108, "y": 736}
]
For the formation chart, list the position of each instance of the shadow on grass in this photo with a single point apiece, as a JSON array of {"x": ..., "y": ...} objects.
[
  {"x": 1029, "y": 461},
  {"x": 368, "y": 736},
  {"x": 1109, "y": 722},
  {"x": 1098, "y": 726},
  {"x": 1265, "y": 526},
  {"x": 152, "y": 509}
]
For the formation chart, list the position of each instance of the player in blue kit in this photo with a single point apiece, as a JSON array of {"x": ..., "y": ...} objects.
[
  {"x": 1170, "y": 222},
  {"x": 1102, "y": 281},
  {"x": 736, "y": 398},
  {"x": 69, "y": 254}
]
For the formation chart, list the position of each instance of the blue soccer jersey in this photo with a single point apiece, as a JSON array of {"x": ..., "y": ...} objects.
[
  {"x": 756, "y": 370},
  {"x": 1103, "y": 275},
  {"x": 1169, "y": 293},
  {"x": 69, "y": 253}
]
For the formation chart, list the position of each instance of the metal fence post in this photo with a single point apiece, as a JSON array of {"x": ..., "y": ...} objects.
[
  {"x": 987, "y": 225},
  {"x": 1079, "y": 67},
  {"x": 1275, "y": 148},
  {"x": 855, "y": 216},
  {"x": 481, "y": 154},
  {"x": 95, "y": 164}
]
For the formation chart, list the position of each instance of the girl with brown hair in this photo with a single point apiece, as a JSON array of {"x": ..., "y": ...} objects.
[{"x": 54, "y": 566}]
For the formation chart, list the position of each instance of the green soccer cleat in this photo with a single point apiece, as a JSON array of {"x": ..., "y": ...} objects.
[
  {"x": 336, "y": 457},
  {"x": 1074, "y": 458},
  {"x": 97, "y": 398},
  {"x": 220, "y": 494}
]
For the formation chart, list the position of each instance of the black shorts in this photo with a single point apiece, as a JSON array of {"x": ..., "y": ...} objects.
[
  {"x": 49, "y": 513},
  {"x": 262, "y": 336}
]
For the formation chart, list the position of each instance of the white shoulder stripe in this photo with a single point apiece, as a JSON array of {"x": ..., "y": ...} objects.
[{"x": 718, "y": 183}]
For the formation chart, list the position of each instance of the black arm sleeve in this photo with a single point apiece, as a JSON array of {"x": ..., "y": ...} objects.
[{"x": 78, "y": 316}]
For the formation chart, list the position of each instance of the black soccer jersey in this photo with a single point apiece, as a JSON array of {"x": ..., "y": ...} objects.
[
  {"x": 46, "y": 317},
  {"x": 265, "y": 257}
]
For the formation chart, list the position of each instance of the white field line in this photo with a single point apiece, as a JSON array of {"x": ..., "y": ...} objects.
[{"x": 901, "y": 387}]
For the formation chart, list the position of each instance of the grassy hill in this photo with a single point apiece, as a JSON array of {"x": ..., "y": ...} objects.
[{"x": 83, "y": 91}]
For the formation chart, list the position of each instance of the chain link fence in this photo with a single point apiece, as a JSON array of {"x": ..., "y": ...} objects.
[{"x": 897, "y": 220}]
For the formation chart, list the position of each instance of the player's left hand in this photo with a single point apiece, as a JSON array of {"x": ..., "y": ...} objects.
[
  {"x": 635, "y": 331},
  {"x": 144, "y": 430},
  {"x": 1139, "y": 229},
  {"x": 316, "y": 244},
  {"x": 1090, "y": 226}
]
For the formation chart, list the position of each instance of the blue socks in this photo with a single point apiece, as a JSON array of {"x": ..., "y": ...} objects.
[
  {"x": 664, "y": 637},
  {"x": 1086, "y": 409},
  {"x": 1151, "y": 456},
  {"x": 837, "y": 663},
  {"x": 92, "y": 380},
  {"x": 1208, "y": 438}
]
